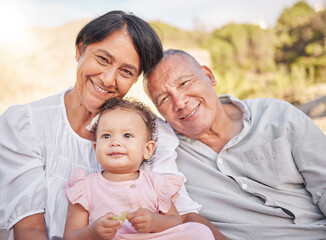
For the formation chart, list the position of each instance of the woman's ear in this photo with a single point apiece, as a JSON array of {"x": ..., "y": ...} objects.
[
  {"x": 149, "y": 149},
  {"x": 79, "y": 51},
  {"x": 208, "y": 72}
]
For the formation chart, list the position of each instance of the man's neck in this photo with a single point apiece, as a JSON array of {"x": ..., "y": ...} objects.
[{"x": 227, "y": 125}]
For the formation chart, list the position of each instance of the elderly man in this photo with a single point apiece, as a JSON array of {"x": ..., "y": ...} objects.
[{"x": 257, "y": 166}]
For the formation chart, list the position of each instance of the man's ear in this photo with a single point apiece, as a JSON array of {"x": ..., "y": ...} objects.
[
  {"x": 208, "y": 72},
  {"x": 149, "y": 149}
]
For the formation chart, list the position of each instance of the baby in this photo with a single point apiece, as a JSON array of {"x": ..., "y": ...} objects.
[{"x": 123, "y": 202}]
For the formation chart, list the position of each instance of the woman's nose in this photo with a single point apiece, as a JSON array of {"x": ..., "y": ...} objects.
[{"x": 109, "y": 77}]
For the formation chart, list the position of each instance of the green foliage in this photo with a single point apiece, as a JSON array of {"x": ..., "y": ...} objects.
[
  {"x": 232, "y": 82},
  {"x": 246, "y": 47},
  {"x": 249, "y": 62},
  {"x": 299, "y": 14},
  {"x": 307, "y": 46}
]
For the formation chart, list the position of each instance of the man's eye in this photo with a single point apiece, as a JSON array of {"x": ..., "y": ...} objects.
[
  {"x": 184, "y": 83},
  {"x": 106, "y": 136},
  {"x": 163, "y": 100},
  {"x": 127, "y": 135}
]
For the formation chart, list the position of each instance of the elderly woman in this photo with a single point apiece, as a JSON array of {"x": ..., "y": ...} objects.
[{"x": 43, "y": 142}]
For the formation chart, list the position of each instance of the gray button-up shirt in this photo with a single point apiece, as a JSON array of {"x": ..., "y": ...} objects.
[{"x": 268, "y": 182}]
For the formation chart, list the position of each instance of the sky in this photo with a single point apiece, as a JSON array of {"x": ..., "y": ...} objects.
[{"x": 16, "y": 15}]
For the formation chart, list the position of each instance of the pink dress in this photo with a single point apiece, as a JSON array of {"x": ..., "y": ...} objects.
[{"x": 151, "y": 190}]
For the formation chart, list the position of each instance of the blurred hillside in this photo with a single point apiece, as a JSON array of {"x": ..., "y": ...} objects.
[
  {"x": 286, "y": 62},
  {"x": 39, "y": 64}
]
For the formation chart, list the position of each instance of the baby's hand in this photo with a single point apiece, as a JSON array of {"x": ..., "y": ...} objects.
[
  {"x": 104, "y": 227},
  {"x": 143, "y": 220}
]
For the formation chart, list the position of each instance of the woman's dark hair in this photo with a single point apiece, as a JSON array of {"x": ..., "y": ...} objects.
[
  {"x": 134, "y": 105},
  {"x": 144, "y": 38}
]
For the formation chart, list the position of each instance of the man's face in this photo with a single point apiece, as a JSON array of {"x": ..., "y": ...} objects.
[{"x": 183, "y": 93}]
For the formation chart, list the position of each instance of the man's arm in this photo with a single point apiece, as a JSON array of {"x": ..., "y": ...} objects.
[
  {"x": 31, "y": 228},
  {"x": 194, "y": 217}
]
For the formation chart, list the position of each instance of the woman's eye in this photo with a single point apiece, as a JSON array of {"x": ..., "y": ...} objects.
[
  {"x": 102, "y": 59},
  {"x": 126, "y": 73},
  {"x": 106, "y": 136},
  {"x": 127, "y": 135}
]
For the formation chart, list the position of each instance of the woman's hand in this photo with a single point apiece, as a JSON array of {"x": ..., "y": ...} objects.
[{"x": 143, "y": 220}]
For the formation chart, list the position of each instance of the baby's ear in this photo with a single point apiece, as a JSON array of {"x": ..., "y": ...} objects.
[
  {"x": 149, "y": 149},
  {"x": 94, "y": 146}
]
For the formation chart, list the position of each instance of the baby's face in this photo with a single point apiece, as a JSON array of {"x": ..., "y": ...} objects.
[{"x": 122, "y": 141}]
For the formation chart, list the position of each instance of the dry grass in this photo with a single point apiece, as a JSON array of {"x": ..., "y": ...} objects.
[{"x": 321, "y": 123}]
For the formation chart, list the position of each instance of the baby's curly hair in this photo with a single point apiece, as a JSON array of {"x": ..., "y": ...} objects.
[{"x": 133, "y": 104}]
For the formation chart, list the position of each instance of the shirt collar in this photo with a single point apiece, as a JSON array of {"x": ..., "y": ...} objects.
[
  {"x": 246, "y": 118},
  {"x": 239, "y": 104}
]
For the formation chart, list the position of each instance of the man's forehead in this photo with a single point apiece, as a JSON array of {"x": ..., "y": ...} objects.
[{"x": 168, "y": 68}]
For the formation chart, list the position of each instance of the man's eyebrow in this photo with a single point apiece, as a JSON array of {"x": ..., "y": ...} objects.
[
  {"x": 184, "y": 77},
  {"x": 108, "y": 54}
]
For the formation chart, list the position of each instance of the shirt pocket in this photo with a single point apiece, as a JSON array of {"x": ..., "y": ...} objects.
[{"x": 271, "y": 164}]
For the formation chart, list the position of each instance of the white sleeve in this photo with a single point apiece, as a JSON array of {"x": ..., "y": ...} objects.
[
  {"x": 22, "y": 178},
  {"x": 164, "y": 162}
]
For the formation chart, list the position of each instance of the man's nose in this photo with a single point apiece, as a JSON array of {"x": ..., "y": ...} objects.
[{"x": 179, "y": 101}]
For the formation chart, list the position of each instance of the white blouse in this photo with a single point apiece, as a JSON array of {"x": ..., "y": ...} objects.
[{"x": 39, "y": 152}]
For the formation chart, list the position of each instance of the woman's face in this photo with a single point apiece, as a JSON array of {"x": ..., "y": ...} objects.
[{"x": 106, "y": 69}]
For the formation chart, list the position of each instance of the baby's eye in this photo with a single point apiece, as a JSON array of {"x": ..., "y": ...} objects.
[
  {"x": 127, "y": 135},
  {"x": 106, "y": 136}
]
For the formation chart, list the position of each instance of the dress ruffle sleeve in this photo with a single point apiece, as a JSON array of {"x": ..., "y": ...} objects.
[
  {"x": 170, "y": 186},
  {"x": 76, "y": 189},
  {"x": 22, "y": 176}
]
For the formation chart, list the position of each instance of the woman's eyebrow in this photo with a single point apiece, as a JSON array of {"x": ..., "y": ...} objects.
[{"x": 108, "y": 54}]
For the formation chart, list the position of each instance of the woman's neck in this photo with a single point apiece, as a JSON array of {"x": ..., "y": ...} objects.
[{"x": 77, "y": 115}]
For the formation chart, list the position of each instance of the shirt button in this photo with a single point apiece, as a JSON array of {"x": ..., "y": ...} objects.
[
  {"x": 244, "y": 186},
  {"x": 220, "y": 160},
  {"x": 133, "y": 185}
]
